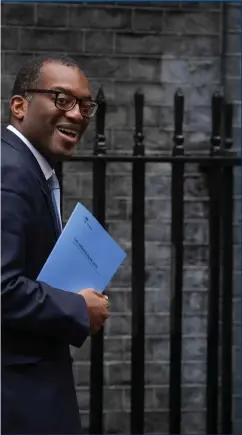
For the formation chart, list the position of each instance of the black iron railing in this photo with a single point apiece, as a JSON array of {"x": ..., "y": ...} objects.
[{"x": 219, "y": 166}]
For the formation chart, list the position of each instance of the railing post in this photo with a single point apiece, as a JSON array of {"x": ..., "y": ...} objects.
[
  {"x": 214, "y": 180},
  {"x": 99, "y": 207},
  {"x": 227, "y": 277},
  {"x": 177, "y": 206},
  {"x": 138, "y": 273}
]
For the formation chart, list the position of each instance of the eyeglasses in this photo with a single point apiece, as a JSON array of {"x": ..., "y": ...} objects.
[{"x": 66, "y": 102}]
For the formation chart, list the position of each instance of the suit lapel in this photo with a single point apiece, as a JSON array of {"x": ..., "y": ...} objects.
[{"x": 14, "y": 141}]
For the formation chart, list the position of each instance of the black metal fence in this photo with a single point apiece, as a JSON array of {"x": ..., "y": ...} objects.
[{"x": 218, "y": 166}]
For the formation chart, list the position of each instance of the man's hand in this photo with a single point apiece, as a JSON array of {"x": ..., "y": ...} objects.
[{"x": 97, "y": 306}]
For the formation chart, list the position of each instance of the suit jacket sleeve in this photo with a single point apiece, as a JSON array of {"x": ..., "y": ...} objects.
[{"x": 28, "y": 305}]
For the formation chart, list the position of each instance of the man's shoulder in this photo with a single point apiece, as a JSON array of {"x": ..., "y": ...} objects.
[
  {"x": 15, "y": 171},
  {"x": 11, "y": 157}
]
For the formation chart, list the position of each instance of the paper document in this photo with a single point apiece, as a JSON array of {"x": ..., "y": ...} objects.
[{"x": 85, "y": 255}]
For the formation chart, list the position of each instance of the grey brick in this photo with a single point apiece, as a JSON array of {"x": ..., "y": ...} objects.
[
  {"x": 6, "y": 86},
  {"x": 12, "y": 62},
  {"x": 83, "y": 399},
  {"x": 234, "y": 89},
  {"x": 120, "y": 230},
  {"x": 156, "y": 373},
  {"x": 157, "y": 349},
  {"x": 116, "y": 208},
  {"x": 194, "y": 372},
  {"x": 75, "y": 167},
  {"x": 194, "y": 302},
  {"x": 237, "y": 335},
  {"x": 114, "y": 349},
  {"x": 10, "y": 38},
  {"x": 195, "y": 187},
  {"x": 123, "y": 140},
  {"x": 117, "y": 116},
  {"x": 158, "y": 233},
  {"x": 158, "y": 209},
  {"x": 100, "y": 18},
  {"x": 52, "y": 15},
  {"x": 122, "y": 277},
  {"x": 81, "y": 373},
  {"x": 117, "y": 422},
  {"x": 157, "y": 324},
  {"x": 82, "y": 354},
  {"x": 138, "y": 44},
  {"x": 237, "y": 426},
  {"x": 194, "y": 325},
  {"x": 156, "y": 422},
  {"x": 157, "y": 301},
  {"x": 237, "y": 138},
  {"x": 234, "y": 17},
  {"x": 237, "y": 402},
  {"x": 124, "y": 93},
  {"x": 157, "y": 140},
  {"x": 85, "y": 421},
  {"x": 237, "y": 115},
  {"x": 118, "y": 301},
  {"x": 112, "y": 399},
  {"x": 195, "y": 278},
  {"x": 195, "y": 255},
  {"x": 100, "y": 66},
  {"x": 193, "y": 422},
  {"x": 196, "y": 232},
  {"x": 197, "y": 46},
  {"x": 148, "y": 20},
  {"x": 148, "y": 398},
  {"x": 119, "y": 373},
  {"x": 201, "y": 5},
  {"x": 144, "y": 69},
  {"x": 151, "y": 116},
  {"x": 99, "y": 42},
  {"x": 196, "y": 209},
  {"x": 191, "y": 22},
  {"x": 198, "y": 120},
  {"x": 193, "y": 398},
  {"x": 5, "y": 111},
  {"x": 72, "y": 184},
  {"x": 50, "y": 40},
  {"x": 155, "y": 278},
  {"x": 157, "y": 255},
  {"x": 188, "y": 71},
  {"x": 233, "y": 43},
  {"x": 157, "y": 185},
  {"x": 161, "y": 397},
  {"x": 119, "y": 325},
  {"x": 193, "y": 348},
  {"x": 17, "y": 14}
]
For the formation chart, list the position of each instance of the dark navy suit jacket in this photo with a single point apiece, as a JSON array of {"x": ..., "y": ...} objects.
[{"x": 38, "y": 322}]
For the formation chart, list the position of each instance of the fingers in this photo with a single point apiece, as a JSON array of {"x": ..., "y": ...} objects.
[{"x": 100, "y": 295}]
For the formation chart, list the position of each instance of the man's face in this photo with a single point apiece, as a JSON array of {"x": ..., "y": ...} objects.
[{"x": 53, "y": 131}]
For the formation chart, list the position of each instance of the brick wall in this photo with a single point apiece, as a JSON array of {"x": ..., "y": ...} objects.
[{"x": 156, "y": 47}]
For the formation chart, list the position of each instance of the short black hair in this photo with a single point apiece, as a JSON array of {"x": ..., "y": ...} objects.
[{"x": 29, "y": 74}]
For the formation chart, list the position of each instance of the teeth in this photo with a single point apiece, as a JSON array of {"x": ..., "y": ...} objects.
[{"x": 68, "y": 132}]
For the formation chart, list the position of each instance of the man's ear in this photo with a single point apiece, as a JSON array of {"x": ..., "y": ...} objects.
[{"x": 18, "y": 106}]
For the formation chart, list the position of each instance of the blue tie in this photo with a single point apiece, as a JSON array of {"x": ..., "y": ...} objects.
[{"x": 55, "y": 195}]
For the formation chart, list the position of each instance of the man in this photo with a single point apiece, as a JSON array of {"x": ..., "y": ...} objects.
[{"x": 51, "y": 107}]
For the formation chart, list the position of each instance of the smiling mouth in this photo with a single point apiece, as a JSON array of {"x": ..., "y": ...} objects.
[{"x": 71, "y": 134}]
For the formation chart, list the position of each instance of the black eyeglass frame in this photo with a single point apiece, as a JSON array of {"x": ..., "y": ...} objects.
[{"x": 75, "y": 99}]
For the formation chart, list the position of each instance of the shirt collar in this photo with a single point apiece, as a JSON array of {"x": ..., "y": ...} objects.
[{"x": 44, "y": 165}]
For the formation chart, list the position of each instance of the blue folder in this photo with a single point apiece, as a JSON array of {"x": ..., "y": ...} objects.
[{"x": 85, "y": 255}]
